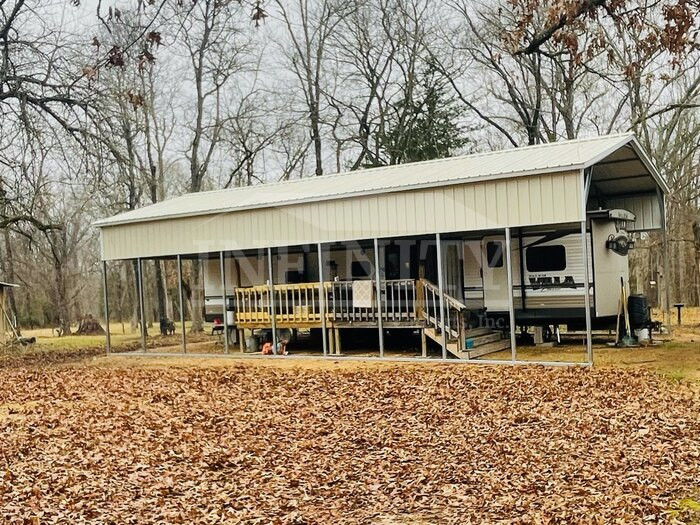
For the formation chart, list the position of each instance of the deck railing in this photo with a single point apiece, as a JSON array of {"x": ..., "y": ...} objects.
[
  {"x": 252, "y": 304},
  {"x": 296, "y": 303},
  {"x": 398, "y": 301},
  {"x": 300, "y": 303}
]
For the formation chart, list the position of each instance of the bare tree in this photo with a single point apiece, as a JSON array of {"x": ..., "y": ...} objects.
[
  {"x": 256, "y": 127},
  {"x": 215, "y": 49},
  {"x": 158, "y": 129},
  {"x": 309, "y": 26}
]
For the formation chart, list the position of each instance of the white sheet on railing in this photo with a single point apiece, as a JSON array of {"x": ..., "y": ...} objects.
[{"x": 362, "y": 294}]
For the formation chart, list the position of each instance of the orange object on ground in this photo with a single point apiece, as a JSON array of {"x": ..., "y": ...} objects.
[{"x": 267, "y": 349}]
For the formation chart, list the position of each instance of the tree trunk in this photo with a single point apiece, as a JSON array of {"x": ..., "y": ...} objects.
[
  {"x": 136, "y": 319},
  {"x": 696, "y": 253},
  {"x": 62, "y": 306},
  {"x": 129, "y": 305},
  {"x": 160, "y": 290},
  {"x": 316, "y": 137},
  {"x": 197, "y": 299}
]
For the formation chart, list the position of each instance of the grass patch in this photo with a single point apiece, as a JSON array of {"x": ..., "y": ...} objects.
[
  {"x": 685, "y": 510},
  {"x": 84, "y": 341}
]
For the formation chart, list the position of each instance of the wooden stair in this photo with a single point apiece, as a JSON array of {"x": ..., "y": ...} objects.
[
  {"x": 443, "y": 312},
  {"x": 479, "y": 342}
]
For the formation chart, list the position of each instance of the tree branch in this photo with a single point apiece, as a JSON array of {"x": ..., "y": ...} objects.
[
  {"x": 6, "y": 222},
  {"x": 539, "y": 38}
]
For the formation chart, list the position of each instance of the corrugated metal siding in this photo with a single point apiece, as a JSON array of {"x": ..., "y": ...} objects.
[
  {"x": 645, "y": 207},
  {"x": 569, "y": 155},
  {"x": 542, "y": 199}
]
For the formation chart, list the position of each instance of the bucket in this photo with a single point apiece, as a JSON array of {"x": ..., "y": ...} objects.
[
  {"x": 284, "y": 334},
  {"x": 642, "y": 334},
  {"x": 252, "y": 343}
]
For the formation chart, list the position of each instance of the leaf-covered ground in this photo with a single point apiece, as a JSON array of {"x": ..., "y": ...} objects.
[{"x": 258, "y": 443}]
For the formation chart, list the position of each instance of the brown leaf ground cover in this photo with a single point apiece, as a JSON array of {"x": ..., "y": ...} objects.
[{"x": 258, "y": 443}]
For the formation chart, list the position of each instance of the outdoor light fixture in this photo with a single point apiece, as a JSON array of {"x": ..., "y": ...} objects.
[{"x": 620, "y": 243}]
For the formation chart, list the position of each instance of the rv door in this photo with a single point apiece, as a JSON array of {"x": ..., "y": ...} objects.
[{"x": 493, "y": 268}]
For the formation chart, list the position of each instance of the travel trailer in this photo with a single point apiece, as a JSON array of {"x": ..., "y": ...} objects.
[{"x": 548, "y": 273}]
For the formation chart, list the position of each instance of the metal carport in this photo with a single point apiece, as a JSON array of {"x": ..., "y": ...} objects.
[{"x": 547, "y": 184}]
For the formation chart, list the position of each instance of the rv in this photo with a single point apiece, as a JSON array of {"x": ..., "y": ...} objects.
[
  {"x": 548, "y": 273},
  {"x": 547, "y": 268}
]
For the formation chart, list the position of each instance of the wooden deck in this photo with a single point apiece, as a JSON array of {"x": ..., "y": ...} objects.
[
  {"x": 405, "y": 303},
  {"x": 304, "y": 306}
]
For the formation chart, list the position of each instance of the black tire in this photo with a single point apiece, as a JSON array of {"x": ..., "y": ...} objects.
[{"x": 547, "y": 334}]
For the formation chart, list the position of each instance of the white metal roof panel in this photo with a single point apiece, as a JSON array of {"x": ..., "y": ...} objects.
[{"x": 544, "y": 158}]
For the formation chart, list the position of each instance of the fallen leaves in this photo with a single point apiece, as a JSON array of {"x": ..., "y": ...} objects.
[{"x": 398, "y": 444}]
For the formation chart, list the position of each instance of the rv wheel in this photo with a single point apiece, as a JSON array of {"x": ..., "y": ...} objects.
[{"x": 547, "y": 334}]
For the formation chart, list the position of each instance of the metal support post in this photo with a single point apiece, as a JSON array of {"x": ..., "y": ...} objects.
[
  {"x": 273, "y": 310},
  {"x": 181, "y": 295},
  {"x": 142, "y": 316},
  {"x": 511, "y": 306},
  {"x": 223, "y": 299},
  {"x": 587, "y": 295},
  {"x": 322, "y": 299},
  {"x": 441, "y": 287},
  {"x": 378, "y": 285},
  {"x": 106, "y": 299}
]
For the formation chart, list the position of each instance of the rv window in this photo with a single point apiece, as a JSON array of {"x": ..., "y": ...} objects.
[
  {"x": 546, "y": 258},
  {"x": 360, "y": 269},
  {"x": 494, "y": 254},
  {"x": 392, "y": 262}
]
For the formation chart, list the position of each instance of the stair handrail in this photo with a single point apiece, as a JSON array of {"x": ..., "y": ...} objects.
[
  {"x": 449, "y": 300},
  {"x": 451, "y": 303}
]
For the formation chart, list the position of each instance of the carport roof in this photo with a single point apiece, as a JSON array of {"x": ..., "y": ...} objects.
[{"x": 604, "y": 152}]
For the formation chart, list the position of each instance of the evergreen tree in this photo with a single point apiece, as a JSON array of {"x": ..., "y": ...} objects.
[{"x": 424, "y": 125}]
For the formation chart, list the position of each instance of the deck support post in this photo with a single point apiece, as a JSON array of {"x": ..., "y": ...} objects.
[
  {"x": 423, "y": 344},
  {"x": 142, "y": 316},
  {"x": 223, "y": 299},
  {"x": 378, "y": 284},
  {"x": 586, "y": 294},
  {"x": 322, "y": 299},
  {"x": 511, "y": 306},
  {"x": 241, "y": 340},
  {"x": 181, "y": 297},
  {"x": 441, "y": 287},
  {"x": 336, "y": 337},
  {"x": 106, "y": 299},
  {"x": 273, "y": 310}
]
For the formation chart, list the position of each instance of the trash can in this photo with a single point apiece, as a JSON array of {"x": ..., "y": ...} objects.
[{"x": 252, "y": 343}]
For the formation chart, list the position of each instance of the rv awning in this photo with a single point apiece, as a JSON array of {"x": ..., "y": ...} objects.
[{"x": 518, "y": 187}]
